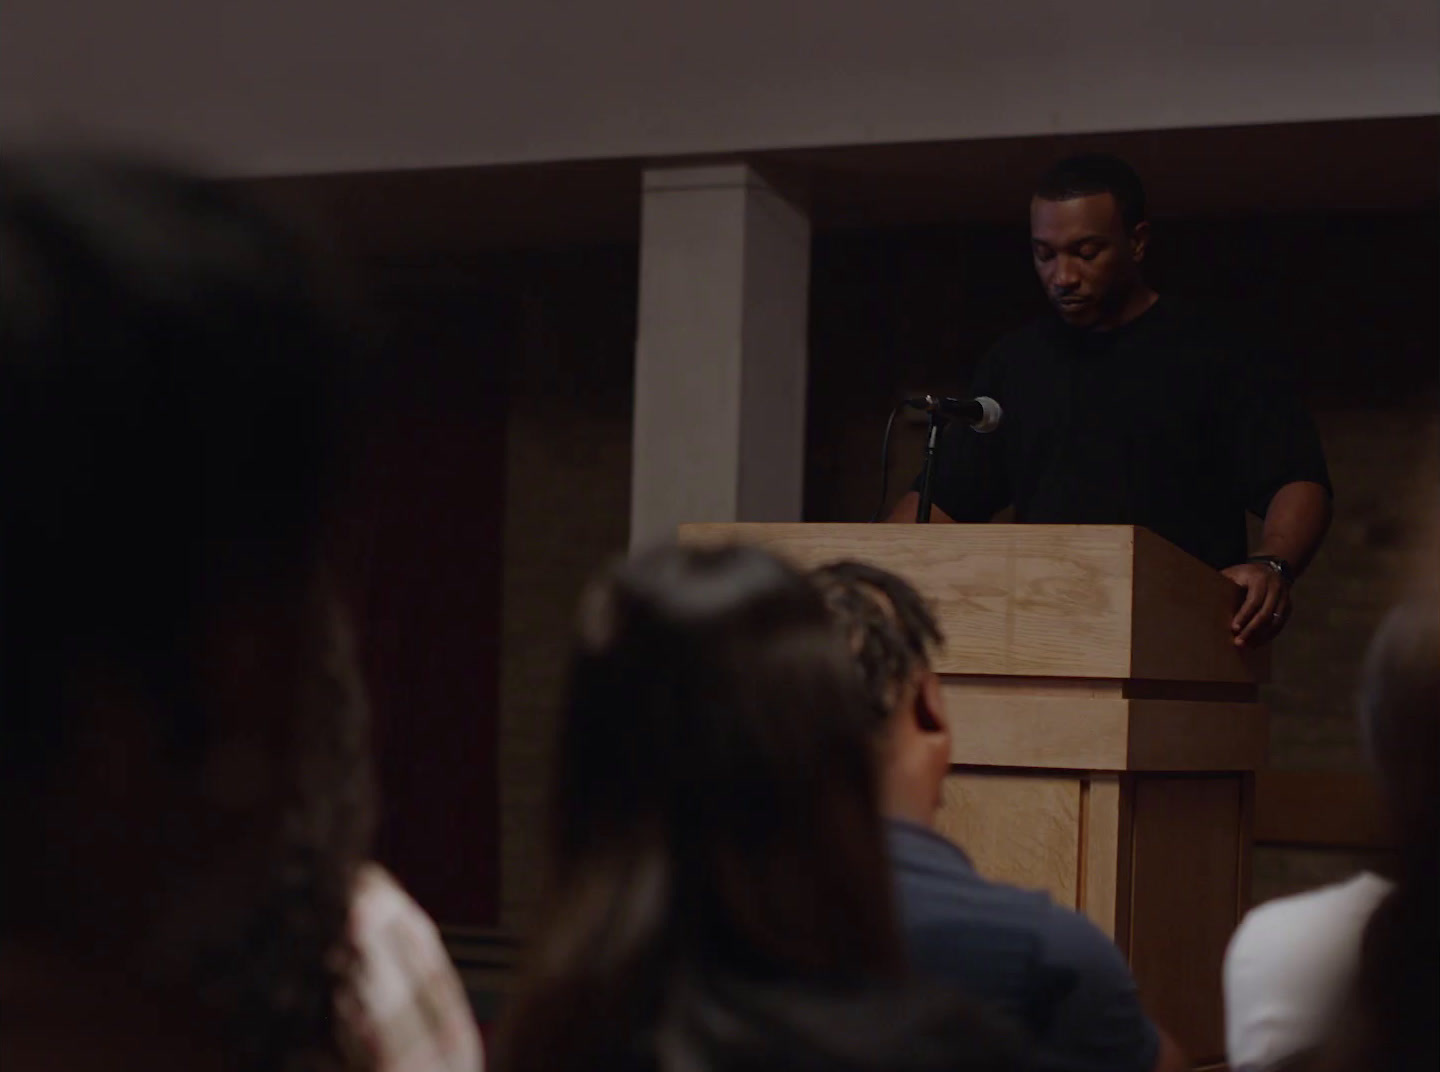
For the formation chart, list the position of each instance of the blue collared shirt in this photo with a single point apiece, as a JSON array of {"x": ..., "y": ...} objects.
[{"x": 1047, "y": 968}]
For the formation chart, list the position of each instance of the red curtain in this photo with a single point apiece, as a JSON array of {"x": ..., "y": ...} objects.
[{"x": 424, "y": 584}]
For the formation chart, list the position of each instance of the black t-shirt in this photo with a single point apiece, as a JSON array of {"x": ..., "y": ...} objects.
[{"x": 1167, "y": 422}]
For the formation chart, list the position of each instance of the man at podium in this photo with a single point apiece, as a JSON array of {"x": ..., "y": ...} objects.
[{"x": 1123, "y": 408}]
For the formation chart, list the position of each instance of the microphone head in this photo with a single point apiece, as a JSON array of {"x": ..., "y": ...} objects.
[{"x": 990, "y": 414}]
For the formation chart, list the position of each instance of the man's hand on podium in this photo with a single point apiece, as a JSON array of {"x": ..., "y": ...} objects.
[
  {"x": 1266, "y": 606},
  {"x": 1295, "y": 523}
]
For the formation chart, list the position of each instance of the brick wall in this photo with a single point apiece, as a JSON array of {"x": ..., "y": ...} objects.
[{"x": 567, "y": 513}]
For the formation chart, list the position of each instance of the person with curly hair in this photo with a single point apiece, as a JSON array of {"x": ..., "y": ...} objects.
[{"x": 184, "y": 786}]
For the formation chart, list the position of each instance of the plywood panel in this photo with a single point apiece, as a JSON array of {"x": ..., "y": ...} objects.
[
  {"x": 1011, "y": 599},
  {"x": 1100, "y": 840},
  {"x": 1044, "y": 600},
  {"x": 1018, "y": 828},
  {"x": 1193, "y": 735},
  {"x": 1182, "y": 619},
  {"x": 1185, "y": 893},
  {"x": 1086, "y": 729},
  {"x": 1069, "y": 688},
  {"x": 1018, "y": 730}
]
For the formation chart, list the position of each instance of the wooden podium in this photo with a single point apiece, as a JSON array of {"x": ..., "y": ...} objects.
[{"x": 1105, "y": 729}]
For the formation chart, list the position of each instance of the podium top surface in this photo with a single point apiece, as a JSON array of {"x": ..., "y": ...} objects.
[{"x": 1088, "y": 601}]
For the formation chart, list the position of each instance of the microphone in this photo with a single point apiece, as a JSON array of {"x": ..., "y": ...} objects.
[{"x": 982, "y": 414}]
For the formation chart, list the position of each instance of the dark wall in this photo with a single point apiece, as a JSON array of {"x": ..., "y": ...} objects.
[{"x": 495, "y": 482}]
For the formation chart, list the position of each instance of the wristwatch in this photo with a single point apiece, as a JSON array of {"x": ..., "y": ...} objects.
[{"x": 1276, "y": 563}]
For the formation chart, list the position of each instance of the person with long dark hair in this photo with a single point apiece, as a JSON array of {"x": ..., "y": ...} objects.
[
  {"x": 719, "y": 891},
  {"x": 184, "y": 783}
]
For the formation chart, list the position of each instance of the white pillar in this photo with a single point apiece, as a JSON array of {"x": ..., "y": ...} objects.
[{"x": 719, "y": 432}]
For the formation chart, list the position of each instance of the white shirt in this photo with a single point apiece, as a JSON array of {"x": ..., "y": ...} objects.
[
  {"x": 417, "y": 1017},
  {"x": 1288, "y": 967}
]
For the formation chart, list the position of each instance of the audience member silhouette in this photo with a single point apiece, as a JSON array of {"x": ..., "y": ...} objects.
[
  {"x": 1047, "y": 968},
  {"x": 184, "y": 787},
  {"x": 1344, "y": 978},
  {"x": 1394, "y": 1022},
  {"x": 719, "y": 892}
]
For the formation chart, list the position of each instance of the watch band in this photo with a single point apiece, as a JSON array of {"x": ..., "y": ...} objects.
[{"x": 1276, "y": 563}]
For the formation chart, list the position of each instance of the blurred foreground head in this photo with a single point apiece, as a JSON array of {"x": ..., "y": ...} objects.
[
  {"x": 183, "y": 794},
  {"x": 1400, "y": 723},
  {"x": 715, "y": 811},
  {"x": 1390, "y": 1021}
]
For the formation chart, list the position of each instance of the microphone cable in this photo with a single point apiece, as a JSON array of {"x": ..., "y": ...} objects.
[{"x": 885, "y": 463}]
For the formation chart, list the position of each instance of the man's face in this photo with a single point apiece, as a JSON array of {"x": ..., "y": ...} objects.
[{"x": 1087, "y": 260}]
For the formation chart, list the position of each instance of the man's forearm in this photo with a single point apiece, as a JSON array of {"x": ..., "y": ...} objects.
[{"x": 1295, "y": 524}]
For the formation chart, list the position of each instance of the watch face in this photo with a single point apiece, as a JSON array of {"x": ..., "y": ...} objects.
[{"x": 1279, "y": 565}]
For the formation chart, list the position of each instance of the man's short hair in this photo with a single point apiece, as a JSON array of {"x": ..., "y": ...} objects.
[
  {"x": 1095, "y": 173},
  {"x": 891, "y": 628}
]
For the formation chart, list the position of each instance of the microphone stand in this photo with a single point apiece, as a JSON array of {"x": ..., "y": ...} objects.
[{"x": 927, "y": 475}]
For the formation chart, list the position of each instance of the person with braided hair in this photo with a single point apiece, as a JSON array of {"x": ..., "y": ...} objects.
[{"x": 1046, "y": 969}]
